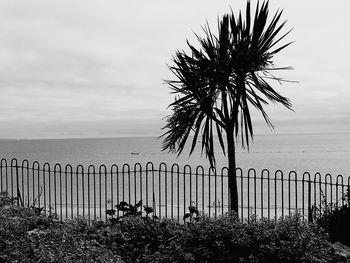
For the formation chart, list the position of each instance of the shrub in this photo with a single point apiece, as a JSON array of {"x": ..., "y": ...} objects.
[
  {"x": 334, "y": 218},
  {"x": 220, "y": 240},
  {"x": 227, "y": 240},
  {"x": 26, "y": 236}
]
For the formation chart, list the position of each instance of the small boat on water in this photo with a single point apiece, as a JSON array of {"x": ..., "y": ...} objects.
[{"x": 134, "y": 153}]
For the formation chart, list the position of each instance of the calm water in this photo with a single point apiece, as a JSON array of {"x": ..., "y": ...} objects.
[{"x": 324, "y": 153}]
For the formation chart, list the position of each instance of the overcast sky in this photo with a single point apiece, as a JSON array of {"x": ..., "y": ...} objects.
[{"x": 95, "y": 68}]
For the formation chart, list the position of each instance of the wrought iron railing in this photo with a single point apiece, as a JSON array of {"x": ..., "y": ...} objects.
[{"x": 88, "y": 191}]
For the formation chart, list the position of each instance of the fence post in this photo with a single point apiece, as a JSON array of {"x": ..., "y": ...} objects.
[{"x": 310, "y": 219}]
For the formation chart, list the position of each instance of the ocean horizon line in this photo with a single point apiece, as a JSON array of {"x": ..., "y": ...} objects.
[{"x": 159, "y": 136}]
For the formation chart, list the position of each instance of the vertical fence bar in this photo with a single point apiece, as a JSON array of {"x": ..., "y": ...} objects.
[
  {"x": 242, "y": 204},
  {"x": 25, "y": 167},
  {"x": 175, "y": 169},
  {"x": 215, "y": 195},
  {"x": 105, "y": 190},
  {"x": 112, "y": 189},
  {"x": 135, "y": 186},
  {"x": 71, "y": 193},
  {"x": 57, "y": 169},
  {"x": 255, "y": 208},
  {"x": 282, "y": 191},
  {"x": 17, "y": 183},
  {"x": 203, "y": 192},
  {"x": 11, "y": 173},
  {"x": 3, "y": 185},
  {"x": 196, "y": 186},
  {"x": 91, "y": 169},
  {"x": 184, "y": 185},
  {"x": 77, "y": 189},
  {"x": 339, "y": 182},
  {"x": 248, "y": 193},
  {"x": 46, "y": 168},
  {"x": 268, "y": 193},
  {"x": 296, "y": 192},
  {"x": 315, "y": 191},
  {"x": 147, "y": 174},
  {"x": 141, "y": 183},
  {"x": 166, "y": 190},
  {"x": 161, "y": 165},
  {"x": 209, "y": 191},
  {"x": 102, "y": 170},
  {"x": 222, "y": 191},
  {"x": 114, "y": 172},
  {"x": 310, "y": 216},
  {"x": 172, "y": 192},
  {"x": 328, "y": 182},
  {"x": 68, "y": 168},
  {"x": 303, "y": 192}
]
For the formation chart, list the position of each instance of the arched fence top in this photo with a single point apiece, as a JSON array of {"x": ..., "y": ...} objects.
[
  {"x": 14, "y": 162},
  {"x": 328, "y": 178},
  {"x": 251, "y": 171},
  {"x": 162, "y": 165},
  {"x": 91, "y": 169},
  {"x": 306, "y": 174},
  {"x": 200, "y": 170},
  {"x": 102, "y": 169},
  {"x": 126, "y": 168},
  {"x": 340, "y": 178},
  {"x": 3, "y": 160},
  {"x": 187, "y": 167},
  {"x": 114, "y": 166},
  {"x": 149, "y": 164},
  {"x": 265, "y": 171},
  {"x": 138, "y": 167},
  {"x": 68, "y": 167},
  {"x": 317, "y": 175},
  {"x": 25, "y": 163},
  {"x": 57, "y": 168},
  {"x": 174, "y": 168},
  {"x": 293, "y": 173},
  {"x": 46, "y": 167},
  {"x": 79, "y": 169}
]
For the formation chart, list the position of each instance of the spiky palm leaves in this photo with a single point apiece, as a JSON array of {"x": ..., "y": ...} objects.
[{"x": 217, "y": 82}]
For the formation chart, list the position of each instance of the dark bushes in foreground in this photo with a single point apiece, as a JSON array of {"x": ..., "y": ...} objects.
[
  {"x": 221, "y": 240},
  {"x": 335, "y": 219},
  {"x": 28, "y": 237}
]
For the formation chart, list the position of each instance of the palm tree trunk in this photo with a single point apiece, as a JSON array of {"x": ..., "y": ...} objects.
[{"x": 232, "y": 176}]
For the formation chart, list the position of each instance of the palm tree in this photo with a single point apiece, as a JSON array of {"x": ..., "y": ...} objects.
[{"x": 218, "y": 82}]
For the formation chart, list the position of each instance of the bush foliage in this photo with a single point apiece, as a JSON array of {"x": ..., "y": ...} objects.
[
  {"x": 28, "y": 237},
  {"x": 334, "y": 218}
]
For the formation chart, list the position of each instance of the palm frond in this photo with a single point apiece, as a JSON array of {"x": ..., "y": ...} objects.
[{"x": 216, "y": 83}]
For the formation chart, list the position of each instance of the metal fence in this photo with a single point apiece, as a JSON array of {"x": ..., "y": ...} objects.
[{"x": 89, "y": 191}]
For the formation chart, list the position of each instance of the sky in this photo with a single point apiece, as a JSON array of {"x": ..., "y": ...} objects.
[{"x": 96, "y": 68}]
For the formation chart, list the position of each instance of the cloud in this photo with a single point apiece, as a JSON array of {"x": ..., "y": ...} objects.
[{"x": 88, "y": 64}]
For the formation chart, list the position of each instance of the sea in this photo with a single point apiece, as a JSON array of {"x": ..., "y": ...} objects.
[
  {"x": 323, "y": 153},
  {"x": 326, "y": 153}
]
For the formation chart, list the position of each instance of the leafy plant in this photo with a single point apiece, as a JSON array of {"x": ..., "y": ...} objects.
[
  {"x": 130, "y": 210},
  {"x": 335, "y": 218},
  {"x": 193, "y": 214}
]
